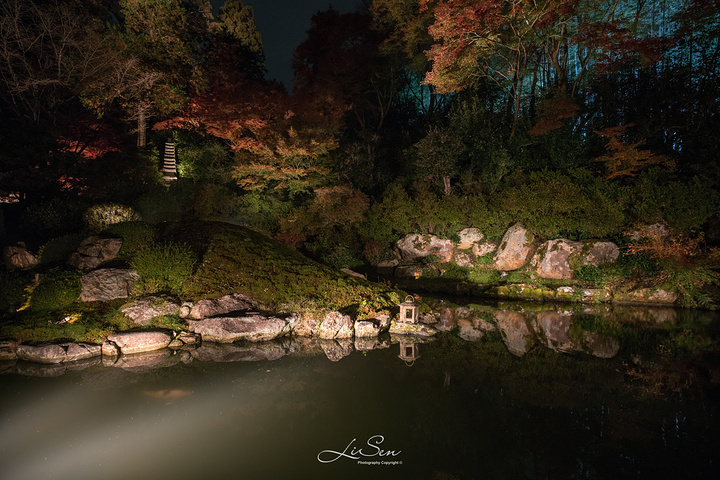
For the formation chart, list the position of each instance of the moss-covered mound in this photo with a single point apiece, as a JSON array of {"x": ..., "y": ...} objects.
[{"x": 231, "y": 259}]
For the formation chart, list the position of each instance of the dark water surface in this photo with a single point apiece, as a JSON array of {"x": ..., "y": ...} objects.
[{"x": 461, "y": 410}]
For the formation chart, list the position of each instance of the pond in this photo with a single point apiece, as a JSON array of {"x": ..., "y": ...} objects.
[{"x": 446, "y": 409}]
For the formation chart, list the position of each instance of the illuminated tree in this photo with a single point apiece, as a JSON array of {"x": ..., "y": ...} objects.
[{"x": 236, "y": 22}]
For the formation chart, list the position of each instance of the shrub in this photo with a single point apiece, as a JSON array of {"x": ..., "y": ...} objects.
[
  {"x": 163, "y": 267},
  {"x": 52, "y": 218},
  {"x": 100, "y": 217},
  {"x": 59, "y": 249},
  {"x": 159, "y": 206}
]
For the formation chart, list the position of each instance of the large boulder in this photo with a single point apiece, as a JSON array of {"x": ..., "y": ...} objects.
[
  {"x": 597, "y": 253},
  {"x": 552, "y": 259},
  {"x": 142, "y": 310},
  {"x": 417, "y": 246},
  {"x": 211, "y": 307},
  {"x": 253, "y": 328},
  {"x": 138, "y": 342},
  {"x": 57, "y": 353},
  {"x": 336, "y": 325},
  {"x": 515, "y": 248},
  {"x": 93, "y": 251},
  {"x": 16, "y": 257},
  {"x": 468, "y": 237},
  {"x": 107, "y": 284}
]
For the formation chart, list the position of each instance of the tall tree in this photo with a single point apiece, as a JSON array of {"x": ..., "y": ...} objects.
[{"x": 236, "y": 24}]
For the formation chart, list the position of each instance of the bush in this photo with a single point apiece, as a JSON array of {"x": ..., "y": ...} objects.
[
  {"x": 160, "y": 205},
  {"x": 58, "y": 250},
  {"x": 163, "y": 267},
  {"x": 52, "y": 218},
  {"x": 100, "y": 217}
]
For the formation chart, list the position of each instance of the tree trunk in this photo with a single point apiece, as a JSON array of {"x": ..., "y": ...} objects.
[
  {"x": 446, "y": 183},
  {"x": 141, "y": 125}
]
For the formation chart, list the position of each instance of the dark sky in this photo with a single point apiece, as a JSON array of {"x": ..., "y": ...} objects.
[{"x": 283, "y": 25}]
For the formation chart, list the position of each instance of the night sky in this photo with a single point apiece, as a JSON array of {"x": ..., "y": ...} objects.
[{"x": 283, "y": 25}]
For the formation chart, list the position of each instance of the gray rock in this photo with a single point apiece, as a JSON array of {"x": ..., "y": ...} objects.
[
  {"x": 93, "y": 251},
  {"x": 18, "y": 258},
  {"x": 143, "y": 310},
  {"x": 212, "y": 307},
  {"x": 42, "y": 353},
  {"x": 336, "y": 325},
  {"x": 365, "y": 328},
  {"x": 464, "y": 259},
  {"x": 552, "y": 259},
  {"x": 469, "y": 237},
  {"x": 107, "y": 284},
  {"x": 109, "y": 350},
  {"x": 253, "y": 328},
  {"x": 515, "y": 248},
  {"x": 306, "y": 326},
  {"x": 81, "y": 351},
  {"x": 139, "y": 342},
  {"x": 416, "y": 246},
  {"x": 482, "y": 249},
  {"x": 8, "y": 350},
  {"x": 413, "y": 329},
  {"x": 468, "y": 331},
  {"x": 353, "y": 273},
  {"x": 598, "y": 253}
]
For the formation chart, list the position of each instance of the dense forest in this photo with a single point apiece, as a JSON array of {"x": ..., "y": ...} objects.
[{"x": 579, "y": 118}]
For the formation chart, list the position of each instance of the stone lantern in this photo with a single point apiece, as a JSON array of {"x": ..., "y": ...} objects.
[
  {"x": 409, "y": 311},
  {"x": 408, "y": 353},
  {"x": 169, "y": 168}
]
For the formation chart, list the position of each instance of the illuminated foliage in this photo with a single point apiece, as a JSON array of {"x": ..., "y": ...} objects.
[{"x": 625, "y": 159}]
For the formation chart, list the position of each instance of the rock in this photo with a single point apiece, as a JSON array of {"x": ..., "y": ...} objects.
[
  {"x": 81, "y": 351},
  {"x": 365, "y": 328},
  {"x": 336, "y": 349},
  {"x": 515, "y": 332},
  {"x": 656, "y": 231},
  {"x": 414, "y": 329},
  {"x": 469, "y": 237},
  {"x": 409, "y": 271},
  {"x": 482, "y": 249},
  {"x": 464, "y": 259},
  {"x": 552, "y": 259},
  {"x": 109, "y": 350},
  {"x": 8, "y": 350},
  {"x": 18, "y": 258},
  {"x": 598, "y": 253},
  {"x": 306, "y": 326},
  {"x": 253, "y": 328},
  {"x": 347, "y": 271},
  {"x": 147, "y": 361},
  {"x": 211, "y": 307},
  {"x": 468, "y": 331},
  {"x": 93, "y": 251},
  {"x": 515, "y": 248},
  {"x": 386, "y": 267},
  {"x": 138, "y": 342},
  {"x": 416, "y": 246},
  {"x": 383, "y": 322},
  {"x": 141, "y": 311},
  {"x": 365, "y": 344},
  {"x": 42, "y": 353},
  {"x": 646, "y": 295},
  {"x": 185, "y": 309},
  {"x": 185, "y": 339},
  {"x": 336, "y": 325},
  {"x": 107, "y": 284}
]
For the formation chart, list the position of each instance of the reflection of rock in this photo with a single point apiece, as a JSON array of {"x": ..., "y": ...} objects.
[
  {"x": 515, "y": 331},
  {"x": 211, "y": 307},
  {"x": 33, "y": 369},
  {"x": 8, "y": 350},
  {"x": 336, "y": 349},
  {"x": 226, "y": 352},
  {"x": 146, "y": 361},
  {"x": 600, "y": 346},
  {"x": 336, "y": 325},
  {"x": 253, "y": 328},
  {"x": 554, "y": 327},
  {"x": 468, "y": 331}
]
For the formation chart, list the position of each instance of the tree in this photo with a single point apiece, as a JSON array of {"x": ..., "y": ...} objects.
[{"x": 236, "y": 26}]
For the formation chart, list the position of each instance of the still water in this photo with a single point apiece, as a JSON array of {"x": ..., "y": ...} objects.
[{"x": 458, "y": 410}]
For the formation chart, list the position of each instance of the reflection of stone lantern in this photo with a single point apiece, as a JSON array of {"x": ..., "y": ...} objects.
[
  {"x": 408, "y": 352},
  {"x": 409, "y": 311}
]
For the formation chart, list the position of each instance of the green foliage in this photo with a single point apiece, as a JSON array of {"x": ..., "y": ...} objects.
[
  {"x": 135, "y": 236},
  {"x": 12, "y": 291},
  {"x": 262, "y": 211},
  {"x": 57, "y": 290},
  {"x": 163, "y": 267},
  {"x": 159, "y": 205},
  {"x": 100, "y": 217},
  {"x": 52, "y": 218},
  {"x": 58, "y": 250}
]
